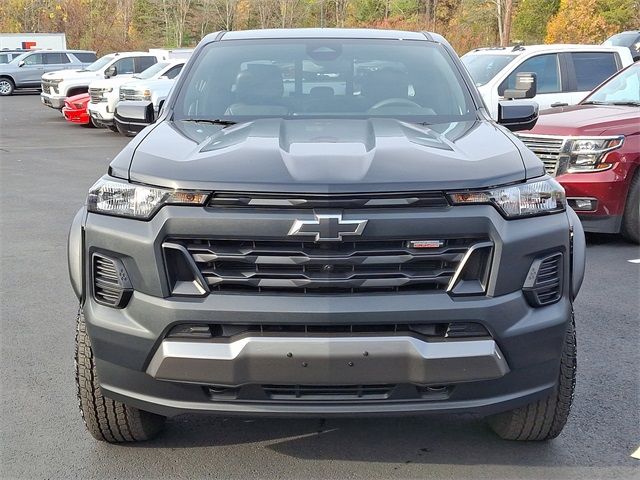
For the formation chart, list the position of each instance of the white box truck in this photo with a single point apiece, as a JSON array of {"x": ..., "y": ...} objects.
[{"x": 27, "y": 41}]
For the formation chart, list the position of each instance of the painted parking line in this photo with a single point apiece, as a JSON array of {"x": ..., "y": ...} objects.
[
  {"x": 635, "y": 260},
  {"x": 636, "y": 454}
]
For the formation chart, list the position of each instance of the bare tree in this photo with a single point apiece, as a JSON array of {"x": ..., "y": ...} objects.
[
  {"x": 226, "y": 11},
  {"x": 342, "y": 9},
  {"x": 504, "y": 13}
]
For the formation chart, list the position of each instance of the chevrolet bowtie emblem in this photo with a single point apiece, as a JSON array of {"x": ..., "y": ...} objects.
[{"x": 328, "y": 228}]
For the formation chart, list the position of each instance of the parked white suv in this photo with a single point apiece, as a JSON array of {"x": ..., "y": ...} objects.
[
  {"x": 105, "y": 93},
  {"x": 56, "y": 86},
  {"x": 565, "y": 73}
]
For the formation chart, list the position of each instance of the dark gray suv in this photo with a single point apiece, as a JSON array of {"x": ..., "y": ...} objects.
[{"x": 326, "y": 222}]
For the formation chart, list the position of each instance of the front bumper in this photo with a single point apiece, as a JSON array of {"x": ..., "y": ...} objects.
[
  {"x": 75, "y": 115},
  {"x": 53, "y": 101},
  {"x": 100, "y": 113},
  {"x": 327, "y": 361},
  {"x": 138, "y": 365},
  {"x": 607, "y": 191}
]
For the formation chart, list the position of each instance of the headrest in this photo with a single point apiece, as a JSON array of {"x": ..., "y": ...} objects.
[
  {"x": 321, "y": 92},
  {"x": 259, "y": 84}
]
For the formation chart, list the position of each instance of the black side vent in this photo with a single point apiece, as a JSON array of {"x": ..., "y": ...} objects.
[
  {"x": 543, "y": 285},
  {"x": 111, "y": 285}
]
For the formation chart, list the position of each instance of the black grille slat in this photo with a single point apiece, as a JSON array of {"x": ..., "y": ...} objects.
[
  {"x": 341, "y": 201},
  {"x": 336, "y": 392},
  {"x": 296, "y": 266}
]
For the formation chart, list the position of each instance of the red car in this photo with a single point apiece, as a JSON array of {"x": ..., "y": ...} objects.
[
  {"x": 594, "y": 150},
  {"x": 75, "y": 109}
]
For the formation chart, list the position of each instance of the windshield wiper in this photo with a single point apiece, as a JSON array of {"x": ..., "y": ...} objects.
[
  {"x": 593, "y": 102},
  {"x": 629, "y": 103},
  {"x": 217, "y": 121}
]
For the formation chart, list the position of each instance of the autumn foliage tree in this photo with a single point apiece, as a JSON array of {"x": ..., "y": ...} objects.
[
  {"x": 579, "y": 21},
  {"x": 117, "y": 25}
]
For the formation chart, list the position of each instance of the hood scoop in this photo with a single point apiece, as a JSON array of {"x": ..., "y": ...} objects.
[{"x": 327, "y": 151}]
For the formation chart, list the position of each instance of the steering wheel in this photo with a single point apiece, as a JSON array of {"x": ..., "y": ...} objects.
[{"x": 395, "y": 101}]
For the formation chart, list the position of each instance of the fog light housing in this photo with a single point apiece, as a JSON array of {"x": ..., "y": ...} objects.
[
  {"x": 583, "y": 204},
  {"x": 190, "y": 331}
]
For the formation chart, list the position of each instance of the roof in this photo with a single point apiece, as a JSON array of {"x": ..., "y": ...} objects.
[
  {"x": 319, "y": 33},
  {"x": 554, "y": 47}
]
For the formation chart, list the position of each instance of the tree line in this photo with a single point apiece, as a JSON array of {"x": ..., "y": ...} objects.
[{"x": 118, "y": 25}]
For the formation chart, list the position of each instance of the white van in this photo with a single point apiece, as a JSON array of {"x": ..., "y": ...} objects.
[{"x": 565, "y": 73}]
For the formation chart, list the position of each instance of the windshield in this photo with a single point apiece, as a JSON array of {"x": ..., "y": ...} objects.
[
  {"x": 98, "y": 64},
  {"x": 20, "y": 57},
  {"x": 623, "y": 88},
  {"x": 151, "y": 71},
  {"x": 483, "y": 67},
  {"x": 622, "y": 39},
  {"x": 250, "y": 79}
]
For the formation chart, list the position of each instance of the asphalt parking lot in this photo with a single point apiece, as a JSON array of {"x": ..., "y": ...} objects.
[{"x": 46, "y": 168}]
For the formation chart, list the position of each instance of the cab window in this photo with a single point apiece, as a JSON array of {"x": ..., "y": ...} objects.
[
  {"x": 142, "y": 63},
  {"x": 173, "y": 72},
  {"x": 124, "y": 66},
  {"x": 546, "y": 69},
  {"x": 593, "y": 68}
]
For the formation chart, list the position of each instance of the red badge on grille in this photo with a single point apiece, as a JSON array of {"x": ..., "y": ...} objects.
[{"x": 426, "y": 243}]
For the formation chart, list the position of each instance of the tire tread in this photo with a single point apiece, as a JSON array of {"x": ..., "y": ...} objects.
[
  {"x": 106, "y": 419},
  {"x": 545, "y": 418}
]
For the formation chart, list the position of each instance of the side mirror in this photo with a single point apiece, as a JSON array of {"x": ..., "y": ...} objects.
[
  {"x": 518, "y": 115},
  {"x": 132, "y": 116},
  {"x": 21, "y": 63},
  {"x": 526, "y": 86},
  {"x": 112, "y": 71}
]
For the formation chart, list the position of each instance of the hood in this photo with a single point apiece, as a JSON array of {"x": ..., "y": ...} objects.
[
  {"x": 159, "y": 84},
  {"x": 587, "y": 120},
  {"x": 325, "y": 156},
  {"x": 109, "y": 82},
  {"x": 69, "y": 74}
]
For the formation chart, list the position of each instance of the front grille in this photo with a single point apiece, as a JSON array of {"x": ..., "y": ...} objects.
[
  {"x": 224, "y": 332},
  {"x": 329, "y": 267},
  {"x": 324, "y": 392},
  {"x": 329, "y": 394},
  {"x": 49, "y": 87},
  {"x": 547, "y": 149},
  {"x": 96, "y": 95},
  {"x": 129, "y": 94}
]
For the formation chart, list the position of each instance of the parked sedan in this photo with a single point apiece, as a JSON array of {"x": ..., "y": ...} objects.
[
  {"x": 594, "y": 150},
  {"x": 75, "y": 110}
]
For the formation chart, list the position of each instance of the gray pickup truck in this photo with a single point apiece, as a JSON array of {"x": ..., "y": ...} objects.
[
  {"x": 327, "y": 222},
  {"x": 26, "y": 70}
]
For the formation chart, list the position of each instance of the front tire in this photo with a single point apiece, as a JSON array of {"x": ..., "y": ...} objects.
[
  {"x": 6, "y": 87},
  {"x": 544, "y": 419},
  {"x": 107, "y": 420},
  {"x": 631, "y": 217}
]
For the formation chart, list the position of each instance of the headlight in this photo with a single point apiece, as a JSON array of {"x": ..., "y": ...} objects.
[
  {"x": 587, "y": 154},
  {"x": 524, "y": 200},
  {"x": 146, "y": 95},
  {"x": 123, "y": 199}
]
